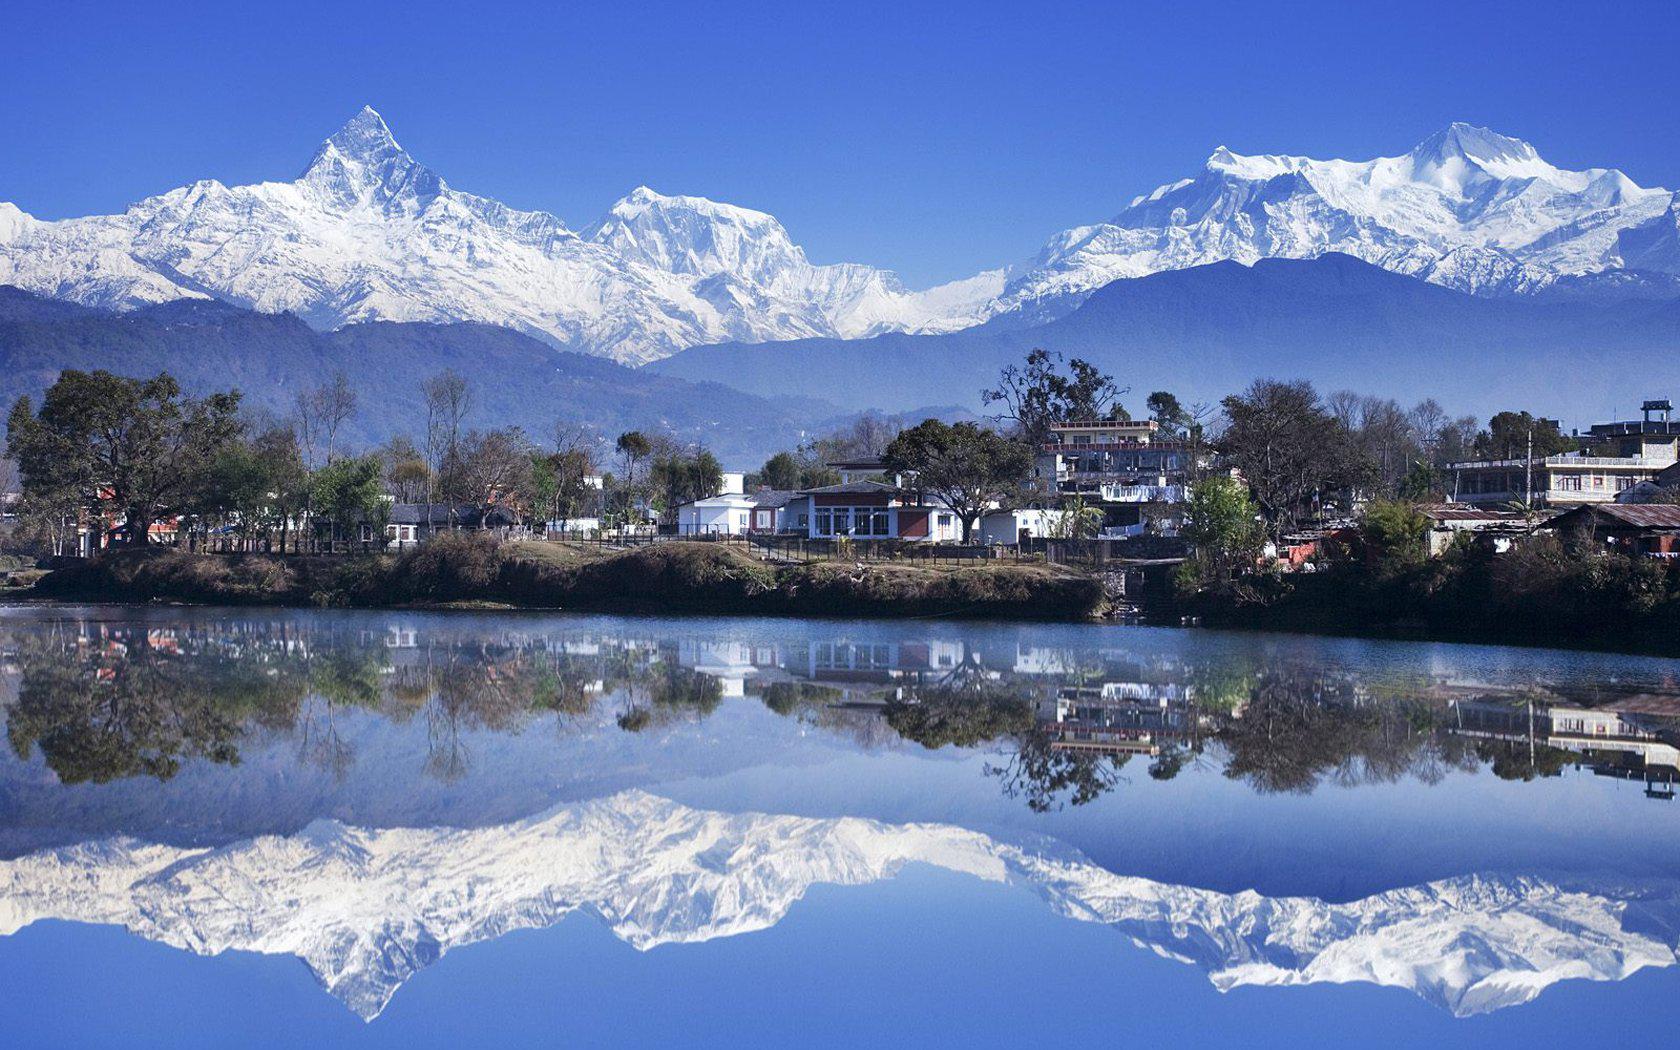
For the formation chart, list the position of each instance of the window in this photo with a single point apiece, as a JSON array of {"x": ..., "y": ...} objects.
[
  {"x": 825, "y": 522},
  {"x": 1569, "y": 483},
  {"x": 881, "y": 526}
]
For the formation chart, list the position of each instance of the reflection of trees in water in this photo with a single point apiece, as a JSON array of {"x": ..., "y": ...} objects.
[
  {"x": 666, "y": 692},
  {"x": 108, "y": 709},
  {"x": 101, "y": 702}
]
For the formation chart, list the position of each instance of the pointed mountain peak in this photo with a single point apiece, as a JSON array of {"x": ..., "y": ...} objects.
[
  {"x": 362, "y": 160},
  {"x": 364, "y": 133},
  {"x": 1469, "y": 142}
]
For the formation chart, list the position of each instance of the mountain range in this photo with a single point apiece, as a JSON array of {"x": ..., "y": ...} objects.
[
  {"x": 366, "y": 909},
  {"x": 515, "y": 379},
  {"x": 1207, "y": 331},
  {"x": 368, "y": 233}
]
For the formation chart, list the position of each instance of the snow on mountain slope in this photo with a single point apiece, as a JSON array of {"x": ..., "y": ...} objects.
[
  {"x": 369, "y": 233},
  {"x": 366, "y": 909},
  {"x": 1467, "y": 208}
]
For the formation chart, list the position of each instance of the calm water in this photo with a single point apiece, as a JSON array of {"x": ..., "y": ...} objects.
[{"x": 400, "y": 829}]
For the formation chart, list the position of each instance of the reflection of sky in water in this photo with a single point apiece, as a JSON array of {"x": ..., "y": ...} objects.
[{"x": 788, "y": 720}]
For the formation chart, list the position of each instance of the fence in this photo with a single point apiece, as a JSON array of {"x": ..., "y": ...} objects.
[{"x": 775, "y": 547}]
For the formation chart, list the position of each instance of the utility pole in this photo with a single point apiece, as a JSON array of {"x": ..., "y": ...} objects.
[{"x": 1528, "y": 472}]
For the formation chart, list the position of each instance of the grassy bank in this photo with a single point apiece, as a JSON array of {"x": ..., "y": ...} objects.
[{"x": 665, "y": 577}]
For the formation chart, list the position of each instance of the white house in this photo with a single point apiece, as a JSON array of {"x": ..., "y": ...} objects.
[
  {"x": 729, "y": 514},
  {"x": 1013, "y": 526}
]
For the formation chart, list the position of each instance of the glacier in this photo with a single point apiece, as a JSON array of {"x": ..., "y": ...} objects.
[
  {"x": 368, "y": 233},
  {"x": 365, "y": 909}
]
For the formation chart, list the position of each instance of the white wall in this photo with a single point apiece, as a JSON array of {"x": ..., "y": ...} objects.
[{"x": 714, "y": 517}]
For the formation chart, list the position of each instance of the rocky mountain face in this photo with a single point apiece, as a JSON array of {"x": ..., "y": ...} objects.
[
  {"x": 368, "y": 233},
  {"x": 366, "y": 909}
]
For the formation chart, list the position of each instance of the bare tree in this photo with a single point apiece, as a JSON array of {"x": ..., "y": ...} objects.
[
  {"x": 321, "y": 413},
  {"x": 448, "y": 398}
]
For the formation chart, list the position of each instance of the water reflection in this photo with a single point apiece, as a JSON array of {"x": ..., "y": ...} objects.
[
  {"x": 367, "y": 909},
  {"x": 367, "y": 791},
  {"x": 101, "y": 700}
]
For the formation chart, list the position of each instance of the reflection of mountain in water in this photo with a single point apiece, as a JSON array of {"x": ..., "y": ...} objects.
[{"x": 366, "y": 909}]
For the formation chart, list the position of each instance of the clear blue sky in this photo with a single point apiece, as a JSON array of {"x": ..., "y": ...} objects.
[{"x": 935, "y": 139}]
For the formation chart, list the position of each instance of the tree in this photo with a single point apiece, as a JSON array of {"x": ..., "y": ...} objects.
[
  {"x": 781, "y": 471},
  {"x": 1507, "y": 437},
  {"x": 448, "y": 397},
  {"x": 679, "y": 477},
  {"x": 348, "y": 492},
  {"x": 1167, "y": 413},
  {"x": 633, "y": 446},
  {"x": 1076, "y": 520},
  {"x": 1292, "y": 452},
  {"x": 966, "y": 467},
  {"x": 281, "y": 462},
  {"x": 1394, "y": 533},
  {"x": 1037, "y": 394},
  {"x": 322, "y": 412},
  {"x": 135, "y": 446},
  {"x": 408, "y": 478},
  {"x": 487, "y": 466},
  {"x": 1222, "y": 525}
]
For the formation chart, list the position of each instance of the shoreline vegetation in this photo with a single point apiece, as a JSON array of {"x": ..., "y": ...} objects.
[
  {"x": 1553, "y": 591},
  {"x": 475, "y": 569}
]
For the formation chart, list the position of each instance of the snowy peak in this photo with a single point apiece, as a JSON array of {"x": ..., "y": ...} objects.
[
  {"x": 368, "y": 908},
  {"x": 1472, "y": 144},
  {"x": 698, "y": 236},
  {"x": 361, "y": 163},
  {"x": 1468, "y": 208}
]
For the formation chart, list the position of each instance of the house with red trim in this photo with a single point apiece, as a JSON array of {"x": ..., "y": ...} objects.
[{"x": 875, "y": 510}]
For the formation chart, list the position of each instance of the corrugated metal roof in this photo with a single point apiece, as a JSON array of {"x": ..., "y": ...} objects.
[
  {"x": 1461, "y": 512},
  {"x": 1639, "y": 515}
]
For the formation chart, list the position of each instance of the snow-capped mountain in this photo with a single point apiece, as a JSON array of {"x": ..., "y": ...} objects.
[
  {"x": 366, "y": 909},
  {"x": 369, "y": 233},
  {"x": 1467, "y": 208}
]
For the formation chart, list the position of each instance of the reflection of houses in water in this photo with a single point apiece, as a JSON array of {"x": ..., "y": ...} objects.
[
  {"x": 1638, "y": 739},
  {"x": 1118, "y": 717},
  {"x": 731, "y": 662},
  {"x": 1634, "y": 738}
]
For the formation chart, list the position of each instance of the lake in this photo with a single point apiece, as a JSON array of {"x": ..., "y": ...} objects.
[{"x": 289, "y": 828}]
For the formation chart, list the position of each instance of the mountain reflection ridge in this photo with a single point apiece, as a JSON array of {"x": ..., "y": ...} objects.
[{"x": 365, "y": 909}]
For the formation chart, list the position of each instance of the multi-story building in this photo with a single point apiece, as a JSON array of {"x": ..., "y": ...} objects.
[
  {"x": 1125, "y": 467},
  {"x": 1642, "y": 449}
]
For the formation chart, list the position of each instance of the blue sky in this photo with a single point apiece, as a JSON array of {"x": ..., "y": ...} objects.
[{"x": 935, "y": 139}]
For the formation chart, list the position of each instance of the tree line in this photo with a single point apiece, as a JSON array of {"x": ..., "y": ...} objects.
[{"x": 136, "y": 452}]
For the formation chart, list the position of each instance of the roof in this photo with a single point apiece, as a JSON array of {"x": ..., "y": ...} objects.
[
  {"x": 725, "y": 499},
  {"x": 872, "y": 463},
  {"x": 774, "y": 497},
  {"x": 1463, "y": 512},
  {"x": 1106, "y": 424},
  {"x": 853, "y": 488},
  {"x": 1639, "y": 515},
  {"x": 432, "y": 513}
]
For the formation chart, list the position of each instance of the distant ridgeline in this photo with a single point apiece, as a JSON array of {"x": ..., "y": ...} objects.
[
  {"x": 209, "y": 345},
  {"x": 1208, "y": 331}
]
